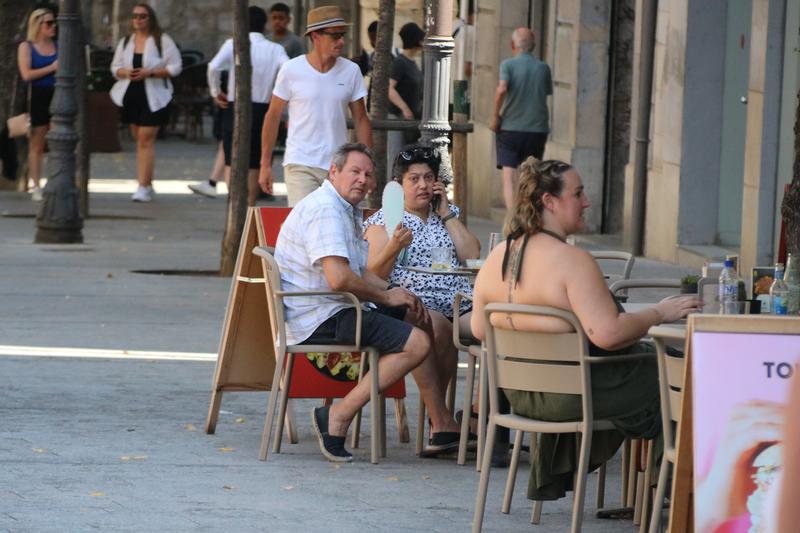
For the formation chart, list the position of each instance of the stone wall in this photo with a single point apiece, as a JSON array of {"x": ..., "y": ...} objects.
[
  {"x": 580, "y": 79},
  {"x": 494, "y": 23}
]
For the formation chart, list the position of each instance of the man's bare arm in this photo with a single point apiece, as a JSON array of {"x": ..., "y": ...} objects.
[
  {"x": 269, "y": 133},
  {"x": 361, "y": 122},
  {"x": 499, "y": 97}
]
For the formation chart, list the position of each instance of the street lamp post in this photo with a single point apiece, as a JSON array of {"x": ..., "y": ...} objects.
[
  {"x": 438, "y": 52},
  {"x": 59, "y": 219}
]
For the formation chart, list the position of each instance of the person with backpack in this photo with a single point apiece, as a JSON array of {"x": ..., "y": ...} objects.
[{"x": 143, "y": 64}]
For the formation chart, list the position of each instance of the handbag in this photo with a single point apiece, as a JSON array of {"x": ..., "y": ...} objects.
[{"x": 20, "y": 125}]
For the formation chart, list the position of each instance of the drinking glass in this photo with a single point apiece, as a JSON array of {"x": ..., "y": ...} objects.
[
  {"x": 441, "y": 258},
  {"x": 494, "y": 240}
]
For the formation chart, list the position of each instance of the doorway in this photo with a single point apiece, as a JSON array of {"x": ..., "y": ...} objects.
[{"x": 734, "y": 121}]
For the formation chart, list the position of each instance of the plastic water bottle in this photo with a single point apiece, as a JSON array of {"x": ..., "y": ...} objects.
[
  {"x": 728, "y": 289},
  {"x": 779, "y": 292}
]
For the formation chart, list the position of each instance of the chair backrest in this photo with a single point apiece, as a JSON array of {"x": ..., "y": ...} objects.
[
  {"x": 191, "y": 57},
  {"x": 605, "y": 256},
  {"x": 537, "y": 361},
  {"x": 708, "y": 291},
  {"x": 272, "y": 283},
  {"x": 670, "y": 378},
  {"x": 620, "y": 288}
]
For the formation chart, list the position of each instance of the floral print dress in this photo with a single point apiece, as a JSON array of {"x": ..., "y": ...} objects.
[{"x": 436, "y": 291}]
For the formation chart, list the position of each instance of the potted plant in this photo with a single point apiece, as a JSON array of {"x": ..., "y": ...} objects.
[{"x": 689, "y": 284}]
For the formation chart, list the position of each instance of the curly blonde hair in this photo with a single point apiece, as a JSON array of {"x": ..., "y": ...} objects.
[{"x": 535, "y": 179}]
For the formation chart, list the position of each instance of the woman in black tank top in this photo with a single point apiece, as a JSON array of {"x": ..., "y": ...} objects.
[{"x": 536, "y": 266}]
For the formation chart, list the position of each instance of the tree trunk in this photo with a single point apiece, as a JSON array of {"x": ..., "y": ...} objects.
[
  {"x": 240, "y": 151},
  {"x": 790, "y": 210},
  {"x": 83, "y": 155},
  {"x": 379, "y": 87},
  {"x": 12, "y": 31}
]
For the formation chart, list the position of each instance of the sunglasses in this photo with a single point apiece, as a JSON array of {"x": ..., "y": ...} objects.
[
  {"x": 419, "y": 153},
  {"x": 142, "y": 16},
  {"x": 335, "y": 35},
  {"x": 49, "y": 22}
]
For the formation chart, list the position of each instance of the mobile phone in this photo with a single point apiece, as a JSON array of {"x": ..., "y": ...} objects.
[{"x": 435, "y": 201}]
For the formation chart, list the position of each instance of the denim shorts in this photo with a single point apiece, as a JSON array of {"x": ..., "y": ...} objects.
[{"x": 382, "y": 328}]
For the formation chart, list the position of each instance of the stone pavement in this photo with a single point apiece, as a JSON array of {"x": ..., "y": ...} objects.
[{"x": 106, "y": 383}]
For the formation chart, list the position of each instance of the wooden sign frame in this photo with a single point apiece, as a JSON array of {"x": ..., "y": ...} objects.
[
  {"x": 681, "y": 516},
  {"x": 246, "y": 360}
]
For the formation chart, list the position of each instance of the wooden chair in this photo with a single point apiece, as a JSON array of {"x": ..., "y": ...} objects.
[
  {"x": 539, "y": 362},
  {"x": 285, "y": 359},
  {"x": 670, "y": 384}
]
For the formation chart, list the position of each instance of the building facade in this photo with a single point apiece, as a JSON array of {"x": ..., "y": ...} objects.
[{"x": 725, "y": 87}]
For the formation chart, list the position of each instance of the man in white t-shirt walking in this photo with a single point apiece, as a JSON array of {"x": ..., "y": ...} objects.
[
  {"x": 318, "y": 87},
  {"x": 266, "y": 58}
]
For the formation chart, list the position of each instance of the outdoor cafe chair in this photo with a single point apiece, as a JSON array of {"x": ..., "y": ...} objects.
[
  {"x": 460, "y": 344},
  {"x": 707, "y": 291},
  {"x": 627, "y": 258},
  {"x": 472, "y": 347},
  {"x": 620, "y": 287},
  {"x": 285, "y": 359},
  {"x": 636, "y": 469},
  {"x": 539, "y": 362},
  {"x": 670, "y": 385}
]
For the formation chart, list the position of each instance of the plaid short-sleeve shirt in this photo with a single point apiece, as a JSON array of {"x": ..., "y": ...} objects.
[{"x": 322, "y": 224}]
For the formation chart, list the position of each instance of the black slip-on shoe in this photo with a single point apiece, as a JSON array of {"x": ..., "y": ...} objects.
[
  {"x": 331, "y": 446},
  {"x": 441, "y": 442}
]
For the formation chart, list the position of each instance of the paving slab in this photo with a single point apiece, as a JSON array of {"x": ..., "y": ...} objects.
[{"x": 103, "y": 431}]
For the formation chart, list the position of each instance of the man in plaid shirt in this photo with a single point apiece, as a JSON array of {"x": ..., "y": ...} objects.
[{"x": 321, "y": 248}]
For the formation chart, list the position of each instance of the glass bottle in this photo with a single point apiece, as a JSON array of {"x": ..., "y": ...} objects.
[{"x": 792, "y": 278}]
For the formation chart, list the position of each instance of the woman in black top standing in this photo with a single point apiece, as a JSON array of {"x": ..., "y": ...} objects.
[
  {"x": 37, "y": 58},
  {"x": 143, "y": 64}
]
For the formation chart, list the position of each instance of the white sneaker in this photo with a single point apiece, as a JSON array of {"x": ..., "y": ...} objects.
[
  {"x": 36, "y": 194},
  {"x": 143, "y": 194},
  {"x": 204, "y": 188}
]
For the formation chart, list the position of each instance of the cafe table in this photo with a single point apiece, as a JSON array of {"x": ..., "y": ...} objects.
[{"x": 467, "y": 272}]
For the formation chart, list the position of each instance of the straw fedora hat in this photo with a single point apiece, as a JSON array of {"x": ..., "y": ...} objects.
[{"x": 324, "y": 17}]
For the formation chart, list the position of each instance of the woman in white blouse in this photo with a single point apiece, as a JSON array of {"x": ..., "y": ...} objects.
[{"x": 143, "y": 64}]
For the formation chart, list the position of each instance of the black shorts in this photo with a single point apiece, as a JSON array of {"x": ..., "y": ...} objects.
[
  {"x": 40, "y": 105},
  {"x": 259, "y": 111},
  {"x": 136, "y": 110},
  {"x": 514, "y": 147},
  {"x": 382, "y": 328}
]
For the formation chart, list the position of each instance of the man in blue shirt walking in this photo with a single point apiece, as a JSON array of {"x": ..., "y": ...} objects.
[{"x": 521, "y": 118}]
